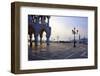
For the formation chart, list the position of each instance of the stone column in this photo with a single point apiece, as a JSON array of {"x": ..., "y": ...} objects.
[
  {"x": 48, "y": 17},
  {"x": 48, "y": 31},
  {"x": 36, "y": 29}
]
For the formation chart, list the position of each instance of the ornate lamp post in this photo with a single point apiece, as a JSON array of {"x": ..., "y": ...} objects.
[{"x": 74, "y": 31}]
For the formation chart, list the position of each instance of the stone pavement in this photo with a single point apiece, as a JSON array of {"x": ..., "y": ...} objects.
[{"x": 58, "y": 51}]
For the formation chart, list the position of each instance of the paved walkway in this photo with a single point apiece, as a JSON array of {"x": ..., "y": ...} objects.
[{"x": 57, "y": 51}]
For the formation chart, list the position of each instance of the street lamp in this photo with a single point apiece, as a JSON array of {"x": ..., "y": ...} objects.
[{"x": 74, "y": 31}]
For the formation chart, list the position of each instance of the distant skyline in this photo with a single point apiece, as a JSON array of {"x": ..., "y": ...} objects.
[{"x": 61, "y": 27}]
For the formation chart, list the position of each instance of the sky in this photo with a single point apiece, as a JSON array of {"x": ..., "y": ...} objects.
[{"x": 61, "y": 27}]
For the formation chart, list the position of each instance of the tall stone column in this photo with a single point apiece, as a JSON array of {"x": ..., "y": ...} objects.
[
  {"x": 36, "y": 29},
  {"x": 48, "y": 17},
  {"x": 48, "y": 30}
]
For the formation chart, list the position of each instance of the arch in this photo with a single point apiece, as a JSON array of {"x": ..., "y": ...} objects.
[{"x": 37, "y": 25}]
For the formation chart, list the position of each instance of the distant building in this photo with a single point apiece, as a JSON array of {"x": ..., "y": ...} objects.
[{"x": 83, "y": 40}]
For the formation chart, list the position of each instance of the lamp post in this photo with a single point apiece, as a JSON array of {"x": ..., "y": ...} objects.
[{"x": 74, "y": 31}]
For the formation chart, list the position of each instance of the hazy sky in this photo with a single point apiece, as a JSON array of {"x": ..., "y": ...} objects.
[{"x": 62, "y": 27}]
